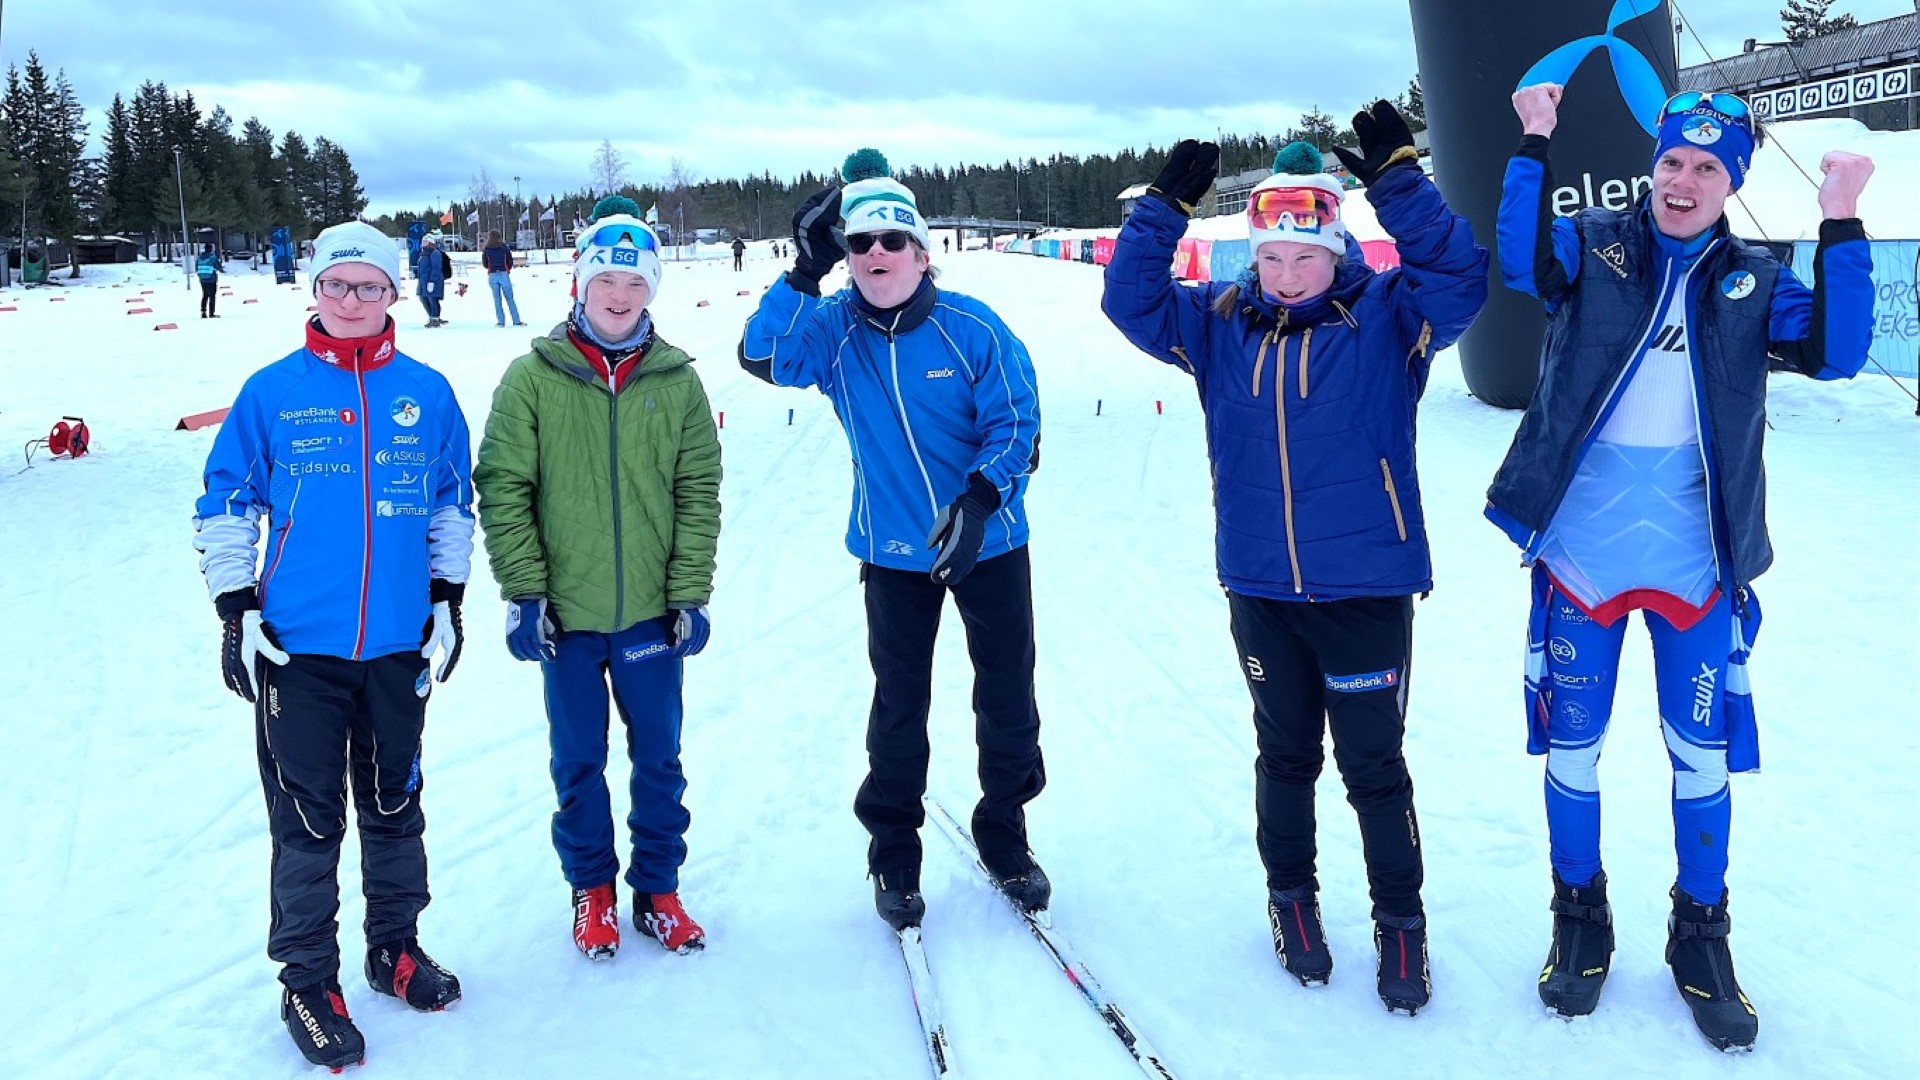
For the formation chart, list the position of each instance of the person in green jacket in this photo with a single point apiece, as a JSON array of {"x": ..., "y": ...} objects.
[{"x": 599, "y": 485}]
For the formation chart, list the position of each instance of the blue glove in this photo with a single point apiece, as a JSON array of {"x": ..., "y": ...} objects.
[
  {"x": 529, "y": 629},
  {"x": 960, "y": 529},
  {"x": 690, "y": 632}
]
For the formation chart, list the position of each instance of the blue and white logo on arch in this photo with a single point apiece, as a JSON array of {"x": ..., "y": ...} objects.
[{"x": 1639, "y": 83}]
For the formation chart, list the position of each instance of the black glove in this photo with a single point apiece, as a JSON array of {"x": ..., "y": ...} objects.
[
  {"x": 1189, "y": 172},
  {"x": 443, "y": 631},
  {"x": 243, "y": 637},
  {"x": 1385, "y": 143},
  {"x": 817, "y": 239},
  {"x": 959, "y": 530}
]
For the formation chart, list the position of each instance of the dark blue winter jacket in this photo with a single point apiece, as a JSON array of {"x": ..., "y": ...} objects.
[
  {"x": 429, "y": 271},
  {"x": 358, "y": 458},
  {"x": 1310, "y": 410},
  {"x": 1603, "y": 283},
  {"x": 928, "y": 395},
  {"x": 497, "y": 258}
]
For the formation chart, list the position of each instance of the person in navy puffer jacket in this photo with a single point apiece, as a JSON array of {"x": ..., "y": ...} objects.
[
  {"x": 430, "y": 271},
  {"x": 1310, "y": 367}
]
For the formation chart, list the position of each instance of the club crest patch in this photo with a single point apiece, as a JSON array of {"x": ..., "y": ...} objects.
[
  {"x": 1700, "y": 130},
  {"x": 1738, "y": 285}
]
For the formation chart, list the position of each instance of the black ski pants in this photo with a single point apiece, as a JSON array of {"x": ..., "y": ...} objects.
[
  {"x": 319, "y": 719},
  {"x": 209, "y": 289},
  {"x": 903, "y": 617},
  {"x": 1339, "y": 666}
]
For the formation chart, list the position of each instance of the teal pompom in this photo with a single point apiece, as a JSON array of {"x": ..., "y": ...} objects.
[
  {"x": 615, "y": 204},
  {"x": 865, "y": 164},
  {"x": 1299, "y": 158}
]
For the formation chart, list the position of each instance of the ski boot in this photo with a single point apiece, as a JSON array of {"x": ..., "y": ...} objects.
[
  {"x": 402, "y": 969},
  {"x": 1298, "y": 938},
  {"x": 1582, "y": 947},
  {"x": 896, "y": 896},
  {"x": 1703, "y": 970},
  {"x": 596, "y": 922},
  {"x": 662, "y": 916},
  {"x": 1404, "y": 984},
  {"x": 1019, "y": 878},
  {"x": 316, "y": 1017}
]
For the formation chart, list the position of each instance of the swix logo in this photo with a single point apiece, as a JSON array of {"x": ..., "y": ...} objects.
[
  {"x": 897, "y": 547},
  {"x": 1615, "y": 256},
  {"x": 1372, "y": 680},
  {"x": 1671, "y": 339},
  {"x": 273, "y": 701},
  {"x": 406, "y": 440},
  {"x": 311, "y": 446},
  {"x": 346, "y": 253},
  {"x": 940, "y": 373},
  {"x": 1638, "y": 82},
  {"x": 1703, "y": 694},
  {"x": 1256, "y": 671},
  {"x": 645, "y": 652}
]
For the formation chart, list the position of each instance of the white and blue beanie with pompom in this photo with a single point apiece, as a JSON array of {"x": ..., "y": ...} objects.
[
  {"x": 617, "y": 240},
  {"x": 1299, "y": 164},
  {"x": 873, "y": 201}
]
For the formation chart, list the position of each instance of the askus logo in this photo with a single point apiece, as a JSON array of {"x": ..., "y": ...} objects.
[{"x": 1639, "y": 83}]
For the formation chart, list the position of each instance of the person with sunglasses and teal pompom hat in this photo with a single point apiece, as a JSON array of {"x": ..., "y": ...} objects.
[
  {"x": 599, "y": 482},
  {"x": 938, "y": 402},
  {"x": 1310, "y": 367},
  {"x": 1635, "y": 483}
]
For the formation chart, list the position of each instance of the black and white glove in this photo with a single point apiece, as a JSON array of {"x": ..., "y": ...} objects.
[
  {"x": 1190, "y": 170},
  {"x": 443, "y": 633},
  {"x": 959, "y": 530},
  {"x": 1385, "y": 143},
  {"x": 818, "y": 243},
  {"x": 243, "y": 638}
]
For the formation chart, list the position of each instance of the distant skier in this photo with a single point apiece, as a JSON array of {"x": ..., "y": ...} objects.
[
  {"x": 356, "y": 456},
  {"x": 1310, "y": 367},
  {"x": 207, "y": 269},
  {"x": 937, "y": 398},
  {"x": 431, "y": 276},
  {"x": 599, "y": 482},
  {"x": 739, "y": 252},
  {"x": 1635, "y": 482}
]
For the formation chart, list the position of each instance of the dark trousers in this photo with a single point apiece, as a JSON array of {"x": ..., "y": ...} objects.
[
  {"x": 430, "y": 299},
  {"x": 1343, "y": 666},
  {"x": 646, "y": 689},
  {"x": 209, "y": 288},
  {"x": 319, "y": 719},
  {"x": 903, "y": 617}
]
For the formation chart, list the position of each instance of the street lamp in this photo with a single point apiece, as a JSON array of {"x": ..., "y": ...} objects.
[
  {"x": 186, "y": 249},
  {"x": 516, "y": 206}
]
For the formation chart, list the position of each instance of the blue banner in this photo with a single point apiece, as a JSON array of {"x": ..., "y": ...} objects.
[
  {"x": 1896, "y": 311},
  {"x": 1227, "y": 259}
]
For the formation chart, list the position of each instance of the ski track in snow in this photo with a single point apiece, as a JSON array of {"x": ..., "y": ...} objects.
[{"x": 137, "y": 854}]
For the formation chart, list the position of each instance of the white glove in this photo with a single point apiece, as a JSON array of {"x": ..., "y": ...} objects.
[{"x": 444, "y": 635}]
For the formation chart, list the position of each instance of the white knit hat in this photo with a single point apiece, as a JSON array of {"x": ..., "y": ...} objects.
[
  {"x": 873, "y": 201},
  {"x": 1298, "y": 165},
  {"x": 634, "y": 248},
  {"x": 354, "y": 241}
]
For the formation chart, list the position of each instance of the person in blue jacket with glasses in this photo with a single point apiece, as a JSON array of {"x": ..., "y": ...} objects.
[
  {"x": 1310, "y": 366},
  {"x": 1634, "y": 483}
]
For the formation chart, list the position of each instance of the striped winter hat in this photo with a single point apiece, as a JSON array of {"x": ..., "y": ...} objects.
[{"x": 873, "y": 201}]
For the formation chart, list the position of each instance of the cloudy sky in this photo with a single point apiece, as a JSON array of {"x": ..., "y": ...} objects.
[{"x": 426, "y": 95}]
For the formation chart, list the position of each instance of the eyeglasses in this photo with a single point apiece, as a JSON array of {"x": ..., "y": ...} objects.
[
  {"x": 618, "y": 233},
  {"x": 1308, "y": 207},
  {"x": 335, "y": 289},
  {"x": 861, "y": 243}
]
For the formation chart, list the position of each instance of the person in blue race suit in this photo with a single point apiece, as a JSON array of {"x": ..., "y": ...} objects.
[
  {"x": 357, "y": 457},
  {"x": 1634, "y": 482},
  {"x": 938, "y": 401},
  {"x": 1310, "y": 367}
]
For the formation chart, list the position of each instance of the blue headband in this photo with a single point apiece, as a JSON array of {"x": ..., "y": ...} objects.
[{"x": 1705, "y": 128}]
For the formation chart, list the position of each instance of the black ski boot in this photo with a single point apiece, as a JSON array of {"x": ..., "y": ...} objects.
[
  {"x": 896, "y": 896},
  {"x": 1703, "y": 970},
  {"x": 1582, "y": 947},
  {"x": 1298, "y": 939},
  {"x": 316, "y": 1017},
  {"x": 1019, "y": 877},
  {"x": 403, "y": 969},
  {"x": 1403, "y": 981}
]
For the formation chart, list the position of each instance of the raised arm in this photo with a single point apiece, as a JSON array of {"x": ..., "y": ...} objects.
[
  {"x": 1825, "y": 331},
  {"x": 1539, "y": 252},
  {"x": 1162, "y": 319}
]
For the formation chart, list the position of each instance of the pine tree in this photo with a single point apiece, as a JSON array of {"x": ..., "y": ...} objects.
[{"x": 1804, "y": 20}]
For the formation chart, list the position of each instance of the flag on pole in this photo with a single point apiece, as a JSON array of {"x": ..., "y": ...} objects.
[
  {"x": 523, "y": 215},
  {"x": 579, "y": 225},
  {"x": 446, "y": 217},
  {"x": 548, "y": 216},
  {"x": 473, "y": 217},
  {"x": 653, "y": 214}
]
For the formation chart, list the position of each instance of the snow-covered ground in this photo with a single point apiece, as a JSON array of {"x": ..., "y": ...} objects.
[{"x": 135, "y": 848}]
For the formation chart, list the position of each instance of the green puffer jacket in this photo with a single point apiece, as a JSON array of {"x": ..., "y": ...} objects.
[{"x": 607, "y": 505}]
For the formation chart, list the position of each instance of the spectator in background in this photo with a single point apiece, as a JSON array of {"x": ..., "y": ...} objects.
[
  {"x": 208, "y": 270},
  {"x": 499, "y": 263},
  {"x": 431, "y": 273},
  {"x": 739, "y": 251}
]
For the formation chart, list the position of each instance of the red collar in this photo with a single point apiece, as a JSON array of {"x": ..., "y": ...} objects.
[
  {"x": 617, "y": 377},
  {"x": 362, "y": 354}
]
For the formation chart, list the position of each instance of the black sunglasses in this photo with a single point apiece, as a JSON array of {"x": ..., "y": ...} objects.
[{"x": 861, "y": 243}]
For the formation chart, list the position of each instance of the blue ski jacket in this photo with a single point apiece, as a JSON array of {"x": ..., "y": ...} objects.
[
  {"x": 1604, "y": 282},
  {"x": 207, "y": 267},
  {"x": 1310, "y": 409},
  {"x": 940, "y": 390},
  {"x": 357, "y": 456}
]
